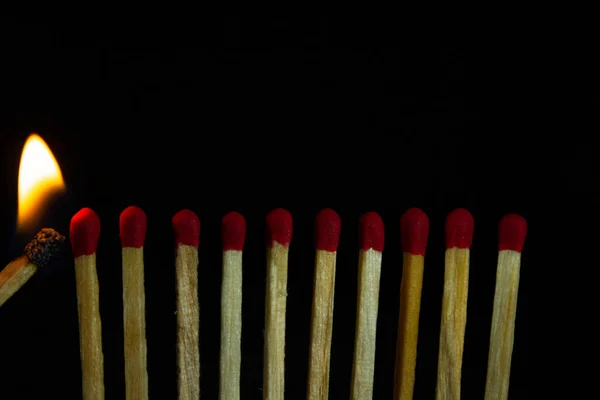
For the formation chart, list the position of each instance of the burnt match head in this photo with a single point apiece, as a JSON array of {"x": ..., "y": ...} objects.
[
  {"x": 414, "y": 230},
  {"x": 186, "y": 225},
  {"x": 512, "y": 232},
  {"x": 371, "y": 232},
  {"x": 132, "y": 226},
  {"x": 233, "y": 231},
  {"x": 459, "y": 229},
  {"x": 279, "y": 227},
  {"x": 85, "y": 232},
  {"x": 327, "y": 230},
  {"x": 44, "y": 246}
]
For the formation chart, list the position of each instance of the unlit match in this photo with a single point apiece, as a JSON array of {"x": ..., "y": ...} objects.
[
  {"x": 132, "y": 224},
  {"x": 279, "y": 236},
  {"x": 459, "y": 236},
  {"x": 512, "y": 233},
  {"x": 85, "y": 232},
  {"x": 369, "y": 272},
  {"x": 327, "y": 232},
  {"x": 233, "y": 234},
  {"x": 414, "y": 231},
  {"x": 187, "y": 238},
  {"x": 42, "y": 248}
]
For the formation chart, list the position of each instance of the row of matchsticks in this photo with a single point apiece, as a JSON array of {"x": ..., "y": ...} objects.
[{"x": 85, "y": 233}]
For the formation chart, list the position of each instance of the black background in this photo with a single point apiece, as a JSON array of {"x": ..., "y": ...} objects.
[{"x": 233, "y": 113}]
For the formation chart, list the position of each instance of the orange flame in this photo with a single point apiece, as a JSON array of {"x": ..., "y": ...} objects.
[{"x": 39, "y": 179}]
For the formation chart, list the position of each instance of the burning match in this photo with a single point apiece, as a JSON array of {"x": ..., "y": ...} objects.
[
  {"x": 39, "y": 178},
  {"x": 37, "y": 253}
]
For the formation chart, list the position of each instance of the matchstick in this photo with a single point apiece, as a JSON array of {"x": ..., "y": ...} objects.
[
  {"x": 85, "y": 232},
  {"x": 414, "y": 230},
  {"x": 42, "y": 248},
  {"x": 132, "y": 225},
  {"x": 512, "y": 232},
  {"x": 279, "y": 236},
  {"x": 327, "y": 232},
  {"x": 369, "y": 271},
  {"x": 459, "y": 236},
  {"x": 233, "y": 233},
  {"x": 187, "y": 236}
]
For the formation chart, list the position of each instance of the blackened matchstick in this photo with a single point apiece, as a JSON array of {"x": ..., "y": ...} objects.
[
  {"x": 233, "y": 234},
  {"x": 512, "y": 232},
  {"x": 371, "y": 240},
  {"x": 279, "y": 236},
  {"x": 459, "y": 237},
  {"x": 327, "y": 232},
  {"x": 42, "y": 248},
  {"x": 187, "y": 237},
  {"x": 414, "y": 230},
  {"x": 85, "y": 232},
  {"x": 132, "y": 224}
]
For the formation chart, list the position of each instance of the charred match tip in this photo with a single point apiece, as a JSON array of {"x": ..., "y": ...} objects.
[
  {"x": 327, "y": 230},
  {"x": 371, "y": 232},
  {"x": 459, "y": 229},
  {"x": 233, "y": 231},
  {"x": 44, "y": 246},
  {"x": 414, "y": 230},
  {"x": 186, "y": 225},
  {"x": 512, "y": 232},
  {"x": 84, "y": 232},
  {"x": 279, "y": 227},
  {"x": 132, "y": 225}
]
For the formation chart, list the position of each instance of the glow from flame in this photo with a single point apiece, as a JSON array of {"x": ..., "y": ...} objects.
[{"x": 39, "y": 179}]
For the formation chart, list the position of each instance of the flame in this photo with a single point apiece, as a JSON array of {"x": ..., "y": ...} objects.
[{"x": 39, "y": 179}]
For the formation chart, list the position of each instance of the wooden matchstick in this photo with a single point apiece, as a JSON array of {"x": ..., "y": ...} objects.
[
  {"x": 187, "y": 236},
  {"x": 327, "y": 232},
  {"x": 279, "y": 236},
  {"x": 369, "y": 272},
  {"x": 414, "y": 229},
  {"x": 85, "y": 232},
  {"x": 459, "y": 236},
  {"x": 233, "y": 233},
  {"x": 42, "y": 248},
  {"x": 512, "y": 232},
  {"x": 132, "y": 225}
]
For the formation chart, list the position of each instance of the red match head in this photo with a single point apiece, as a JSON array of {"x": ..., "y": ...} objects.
[
  {"x": 233, "y": 231},
  {"x": 279, "y": 227},
  {"x": 327, "y": 230},
  {"x": 512, "y": 232},
  {"x": 132, "y": 225},
  {"x": 371, "y": 233},
  {"x": 186, "y": 225},
  {"x": 84, "y": 232},
  {"x": 459, "y": 229},
  {"x": 414, "y": 230}
]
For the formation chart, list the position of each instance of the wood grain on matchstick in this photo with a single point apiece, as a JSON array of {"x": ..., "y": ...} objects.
[
  {"x": 512, "y": 232},
  {"x": 369, "y": 273},
  {"x": 279, "y": 236},
  {"x": 132, "y": 225},
  {"x": 459, "y": 235},
  {"x": 187, "y": 236},
  {"x": 85, "y": 232},
  {"x": 233, "y": 232},
  {"x": 414, "y": 230},
  {"x": 327, "y": 232}
]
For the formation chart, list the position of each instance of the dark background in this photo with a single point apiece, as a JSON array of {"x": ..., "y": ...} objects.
[{"x": 246, "y": 114}]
